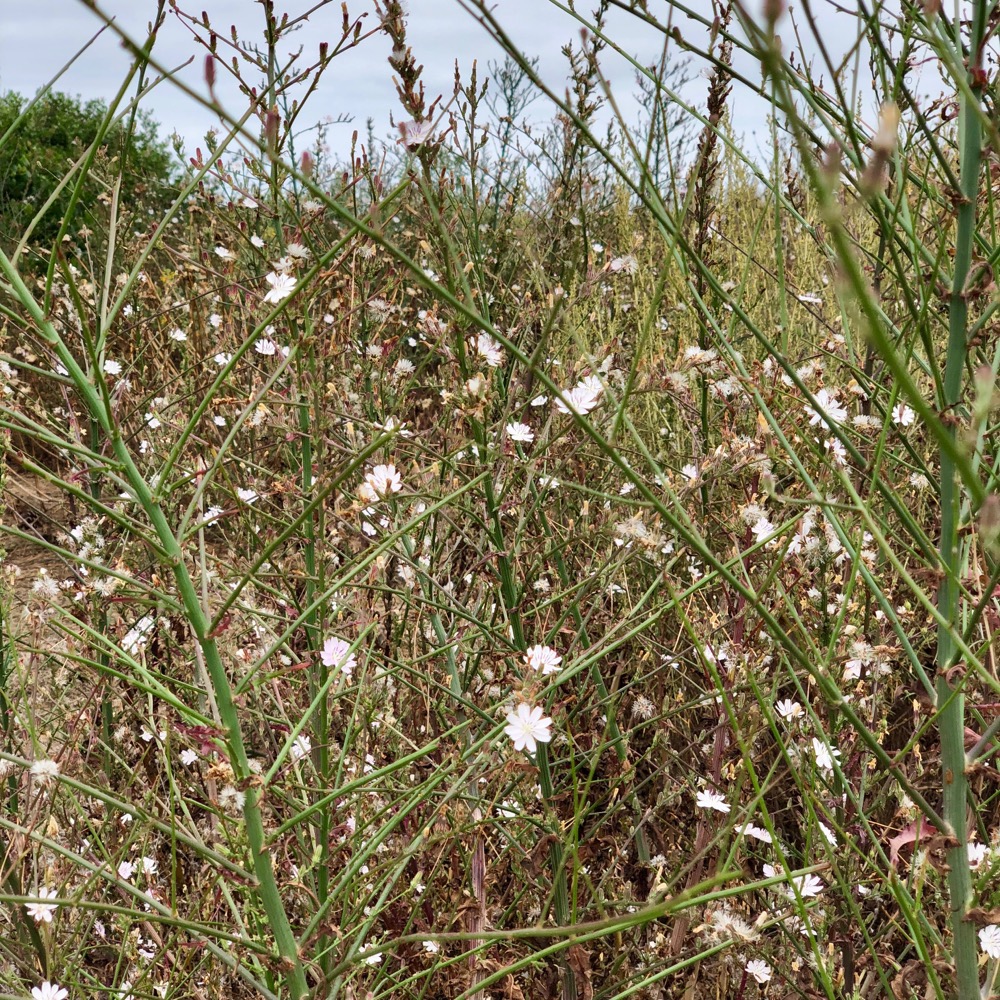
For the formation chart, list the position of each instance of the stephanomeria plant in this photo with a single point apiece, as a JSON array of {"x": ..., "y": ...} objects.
[{"x": 321, "y": 459}]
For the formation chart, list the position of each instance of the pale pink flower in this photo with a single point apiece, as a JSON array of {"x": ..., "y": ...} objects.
[
  {"x": 415, "y": 134},
  {"x": 337, "y": 653}
]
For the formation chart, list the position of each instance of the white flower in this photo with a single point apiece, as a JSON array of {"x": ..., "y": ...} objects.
[
  {"x": 301, "y": 746},
  {"x": 580, "y": 399},
  {"x": 757, "y": 832},
  {"x": 808, "y": 885},
  {"x": 627, "y": 264},
  {"x": 248, "y": 496},
  {"x": 41, "y": 913},
  {"x": 336, "y": 653},
  {"x": 488, "y": 349},
  {"x": 520, "y": 432},
  {"x": 825, "y": 756},
  {"x": 543, "y": 659},
  {"x": 212, "y": 515},
  {"x": 902, "y": 415},
  {"x": 712, "y": 800},
  {"x": 282, "y": 285},
  {"x": 432, "y": 947},
  {"x": 265, "y": 346},
  {"x": 232, "y": 800},
  {"x": 380, "y": 482},
  {"x": 257, "y": 241},
  {"x": 977, "y": 853},
  {"x": 789, "y": 709},
  {"x": 222, "y": 359},
  {"x": 690, "y": 472},
  {"x": 178, "y": 334},
  {"x": 126, "y": 870},
  {"x": 759, "y": 969},
  {"x": 48, "y": 991},
  {"x": 298, "y": 251},
  {"x": 149, "y": 865},
  {"x": 829, "y": 410},
  {"x": 989, "y": 940},
  {"x": 46, "y": 771},
  {"x": 528, "y": 727},
  {"x": 112, "y": 367},
  {"x": 188, "y": 757},
  {"x": 224, "y": 253},
  {"x": 836, "y": 450}
]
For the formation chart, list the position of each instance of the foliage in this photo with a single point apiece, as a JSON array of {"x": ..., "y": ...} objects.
[{"x": 44, "y": 138}]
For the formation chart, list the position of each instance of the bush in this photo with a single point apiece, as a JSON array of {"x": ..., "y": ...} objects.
[{"x": 37, "y": 152}]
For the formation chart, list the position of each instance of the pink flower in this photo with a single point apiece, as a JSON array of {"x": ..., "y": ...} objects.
[{"x": 337, "y": 653}]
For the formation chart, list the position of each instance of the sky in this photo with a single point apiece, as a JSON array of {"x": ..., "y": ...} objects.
[{"x": 39, "y": 38}]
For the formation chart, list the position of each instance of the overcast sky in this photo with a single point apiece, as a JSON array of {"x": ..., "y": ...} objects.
[{"x": 38, "y": 37}]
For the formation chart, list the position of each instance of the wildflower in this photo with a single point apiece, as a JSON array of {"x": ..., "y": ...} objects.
[
  {"x": 543, "y": 659},
  {"x": 265, "y": 346},
  {"x": 178, "y": 334},
  {"x": 41, "y": 913},
  {"x": 836, "y": 450},
  {"x": 977, "y": 853},
  {"x": 337, "y": 653},
  {"x": 528, "y": 727},
  {"x": 690, "y": 472},
  {"x": 149, "y": 865},
  {"x": 126, "y": 870},
  {"x": 188, "y": 757},
  {"x": 248, "y": 496},
  {"x": 298, "y": 251},
  {"x": 808, "y": 885},
  {"x": 380, "y": 482},
  {"x": 49, "y": 991},
  {"x": 432, "y": 947},
  {"x": 627, "y": 264},
  {"x": 762, "y": 529},
  {"x": 712, "y": 800},
  {"x": 902, "y": 415},
  {"x": 257, "y": 241},
  {"x": 580, "y": 399},
  {"x": 282, "y": 285},
  {"x": 520, "y": 432},
  {"x": 112, "y": 367},
  {"x": 212, "y": 515},
  {"x": 989, "y": 940},
  {"x": 789, "y": 709},
  {"x": 46, "y": 771},
  {"x": 223, "y": 253},
  {"x": 232, "y": 800},
  {"x": 758, "y": 833},
  {"x": 488, "y": 349},
  {"x": 828, "y": 410},
  {"x": 301, "y": 746},
  {"x": 222, "y": 359},
  {"x": 414, "y": 134},
  {"x": 825, "y": 756},
  {"x": 759, "y": 969}
]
